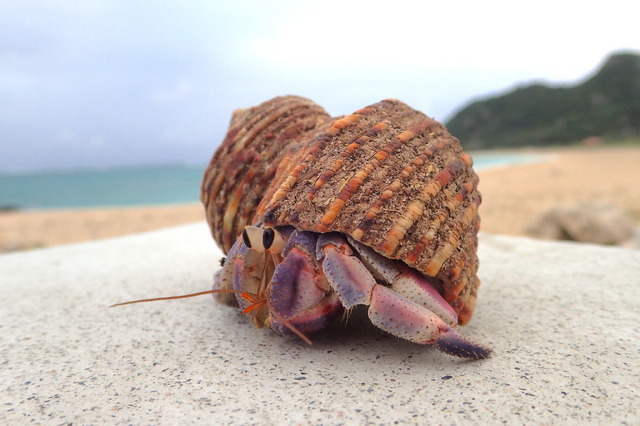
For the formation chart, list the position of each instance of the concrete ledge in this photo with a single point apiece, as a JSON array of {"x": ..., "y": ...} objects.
[{"x": 561, "y": 317}]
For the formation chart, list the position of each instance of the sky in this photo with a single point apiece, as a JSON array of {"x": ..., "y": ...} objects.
[{"x": 96, "y": 84}]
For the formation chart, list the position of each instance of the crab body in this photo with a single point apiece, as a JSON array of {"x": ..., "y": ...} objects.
[
  {"x": 307, "y": 287},
  {"x": 377, "y": 208}
]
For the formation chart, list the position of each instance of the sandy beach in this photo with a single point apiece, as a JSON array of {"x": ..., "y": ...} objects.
[
  {"x": 45, "y": 228},
  {"x": 512, "y": 197}
]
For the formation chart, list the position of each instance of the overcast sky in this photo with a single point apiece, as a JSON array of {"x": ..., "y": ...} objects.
[{"x": 116, "y": 82}]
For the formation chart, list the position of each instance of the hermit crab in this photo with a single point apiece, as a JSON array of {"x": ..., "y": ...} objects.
[{"x": 317, "y": 215}]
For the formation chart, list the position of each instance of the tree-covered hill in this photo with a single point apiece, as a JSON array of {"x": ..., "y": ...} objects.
[{"x": 605, "y": 105}]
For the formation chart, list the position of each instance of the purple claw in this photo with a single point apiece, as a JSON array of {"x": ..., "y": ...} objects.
[
  {"x": 298, "y": 294},
  {"x": 289, "y": 291}
]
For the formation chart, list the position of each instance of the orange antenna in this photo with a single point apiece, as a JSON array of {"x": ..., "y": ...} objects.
[
  {"x": 184, "y": 296},
  {"x": 252, "y": 298}
]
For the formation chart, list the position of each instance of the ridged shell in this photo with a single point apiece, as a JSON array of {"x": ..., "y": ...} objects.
[
  {"x": 388, "y": 175},
  {"x": 242, "y": 168}
]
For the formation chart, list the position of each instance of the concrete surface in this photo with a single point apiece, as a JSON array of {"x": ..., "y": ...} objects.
[{"x": 561, "y": 317}]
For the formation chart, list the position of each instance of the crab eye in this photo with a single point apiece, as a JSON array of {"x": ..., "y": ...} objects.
[
  {"x": 272, "y": 240},
  {"x": 252, "y": 238},
  {"x": 261, "y": 240},
  {"x": 245, "y": 238},
  {"x": 267, "y": 238}
]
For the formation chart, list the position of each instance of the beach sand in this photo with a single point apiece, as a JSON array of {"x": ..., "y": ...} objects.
[
  {"x": 45, "y": 228},
  {"x": 512, "y": 197}
]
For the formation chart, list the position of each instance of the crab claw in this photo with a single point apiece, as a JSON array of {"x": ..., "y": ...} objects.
[
  {"x": 391, "y": 311},
  {"x": 298, "y": 293},
  {"x": 406, "y": 281},
  {"x": 404, "y": 318}
]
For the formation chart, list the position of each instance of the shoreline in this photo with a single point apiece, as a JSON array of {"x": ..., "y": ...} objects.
[
  {"x": 512, "y": 196},
  {"x": 32, "y": 229}
]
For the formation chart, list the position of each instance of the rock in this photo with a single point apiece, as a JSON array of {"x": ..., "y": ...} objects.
[{"x": 596, "y": 222}]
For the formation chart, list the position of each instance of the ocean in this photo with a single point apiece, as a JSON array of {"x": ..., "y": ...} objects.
[
  {"x": 131, "y": 186},
  {"x": 134, "y": 186}
]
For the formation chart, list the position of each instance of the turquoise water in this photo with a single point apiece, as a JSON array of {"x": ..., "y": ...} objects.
[
  {"x": 101, "y": 188},
  {"x": 133, "y": 186},
  {"x": 486, "y": 160}
]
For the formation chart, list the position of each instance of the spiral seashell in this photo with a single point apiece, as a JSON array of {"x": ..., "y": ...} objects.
[
  {"x": 259, "y": 140},
  {"x": 386, "y": 175}
]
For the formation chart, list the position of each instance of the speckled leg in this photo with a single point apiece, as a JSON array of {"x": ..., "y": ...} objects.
[
  {"x": 347, "y": 275},
  {"x": 401, "y": 317},
  {"x": 406, "y": 281},
  {"x": 389, "y": 310}
]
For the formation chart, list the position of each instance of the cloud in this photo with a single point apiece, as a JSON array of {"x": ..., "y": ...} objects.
[
  {"x": 96, "y": 141},
  {"x": 179, "y": 91},
  {"x": 149, "y": 77},
  {"x": 65, "y": 136}
]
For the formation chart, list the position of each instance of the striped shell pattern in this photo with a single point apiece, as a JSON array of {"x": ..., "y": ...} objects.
[{"x": 386, "y": 175}]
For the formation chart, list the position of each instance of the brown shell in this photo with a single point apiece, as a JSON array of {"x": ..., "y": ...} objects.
[
  {"x": 392, "y": 178},
  {"x": 242, "y": 168}
]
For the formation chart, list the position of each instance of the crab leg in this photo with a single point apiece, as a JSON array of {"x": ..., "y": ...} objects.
[
  {"x": 388, "y": 309},
  {"x": 406, "y": 281},
  {"x": 400, "y": 316}
]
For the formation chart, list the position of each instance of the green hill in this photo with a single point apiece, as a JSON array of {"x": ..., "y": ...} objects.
[{"x": 606, "y": 105}]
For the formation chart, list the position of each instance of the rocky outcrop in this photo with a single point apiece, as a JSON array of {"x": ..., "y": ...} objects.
[{"x": 596, "y": 222}]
